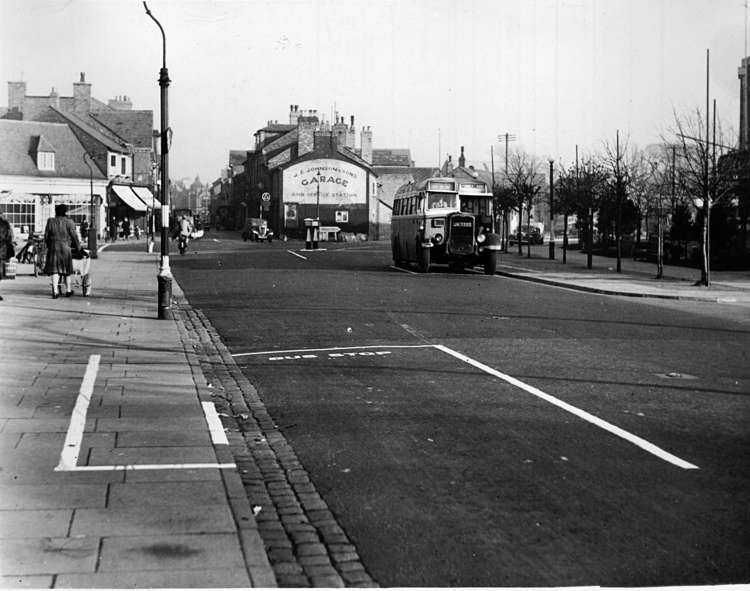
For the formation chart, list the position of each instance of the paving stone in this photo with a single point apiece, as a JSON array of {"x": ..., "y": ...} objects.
[
  {"x": 173, "y": 475},
  {"x": 43, "y": 496},
  {"x": 151, "y": 455},
  {"x": 54, "y": 425},
  {"x": 329, "y": 581},
  {"x": 314, "y": 560},
  {"x": 163, "y": 438},
  {"x": 33, "y": 556},
  {"x": 344, "y": 556},
  {"x": 26, "y": 582},
  {"x": 35, "y": 523},
  {"x": 155, "y": 520},
  {"x": 280, "y": 555},
  {"x": 170, "y": 579},
  {"x": 287, "y": 568},
  {"x": 356, "y": 576},
  {"x": 198, "y": 492},
  {"x": 149, "y": 424},
  {"x": 170, "y": 552},
  {"x": 293, "y": 581},
  {"x": 311, "y": 549}
]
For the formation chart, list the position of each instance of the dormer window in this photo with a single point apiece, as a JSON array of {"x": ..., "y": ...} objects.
[
  {"x": 45, "y": 160},
  {"x": 43, "y": 153}
]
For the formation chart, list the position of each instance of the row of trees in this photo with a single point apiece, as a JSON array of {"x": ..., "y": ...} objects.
[{"x": 689, "y": 188}]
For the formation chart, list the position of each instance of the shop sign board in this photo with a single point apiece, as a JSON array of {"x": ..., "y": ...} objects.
[{"x": 325, "y": 181}]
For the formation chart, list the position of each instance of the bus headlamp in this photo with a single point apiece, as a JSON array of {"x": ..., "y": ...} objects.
[
  {"x": 438, "y": 239},
  {"x": 481, "y": 238}
]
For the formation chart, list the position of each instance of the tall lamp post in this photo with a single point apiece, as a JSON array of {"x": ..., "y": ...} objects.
[
  {"x": 92, "y": 215},
  {"x": 551, "y": 209},
  {"x": 164, "y": 278}
]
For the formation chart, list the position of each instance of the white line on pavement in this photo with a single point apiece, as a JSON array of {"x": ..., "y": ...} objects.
[
  {"x": 332, "y": 349},
  {"x": 634, "y": 439},
  {"x": 214, "y": 424},
  {"x": 120, "y": 467},
  {"x": 72, "y": 446},
  {"x": 297, "y": 255}
]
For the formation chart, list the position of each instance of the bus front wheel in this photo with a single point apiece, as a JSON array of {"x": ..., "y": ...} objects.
[
  {"x": 490, "y": 262},
  {"x": 424, "y": 259}
]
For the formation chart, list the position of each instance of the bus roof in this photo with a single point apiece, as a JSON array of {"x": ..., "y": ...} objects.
[{"x": 429, "y": 184}]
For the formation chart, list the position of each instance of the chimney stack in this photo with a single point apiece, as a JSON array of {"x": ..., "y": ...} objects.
[
  {"x": 462, "y": 159},
  {"x": 81, "y": 96},
  {"x": 54, "y": 98},
  {"x": 366, "y": 145},
  {"x": 306, "y": 126},
  {"x": 16, "y": 98}
]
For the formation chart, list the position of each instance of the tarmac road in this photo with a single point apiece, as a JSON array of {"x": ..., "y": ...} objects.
[{"x": 482, "y": 431}]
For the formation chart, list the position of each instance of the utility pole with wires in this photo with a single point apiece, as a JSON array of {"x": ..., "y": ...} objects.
[{"x": 506, "y": 137}]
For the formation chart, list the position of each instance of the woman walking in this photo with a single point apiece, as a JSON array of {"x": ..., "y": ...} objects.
[{"x": 61, "y": 238}]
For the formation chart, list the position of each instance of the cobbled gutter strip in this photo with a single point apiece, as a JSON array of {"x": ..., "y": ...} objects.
[{"x": 304, "y": 543}]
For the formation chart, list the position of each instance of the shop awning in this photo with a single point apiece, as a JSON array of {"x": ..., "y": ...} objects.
[
  {"x": 129, "y": 198},
  {"x": 147, "y": 197}
]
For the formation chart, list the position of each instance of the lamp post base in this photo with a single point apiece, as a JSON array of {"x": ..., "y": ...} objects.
[
  {"x": 92, "y": 243},
  {"x": 552, "y": 250},
  {"x": 164, "y": 282}
]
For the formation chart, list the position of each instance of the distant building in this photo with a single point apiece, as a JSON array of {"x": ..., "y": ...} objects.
[{"x": 309, "y": 168}]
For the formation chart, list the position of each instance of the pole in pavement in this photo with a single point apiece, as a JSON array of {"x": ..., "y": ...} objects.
[
  {"x": 92, "y": 216},
  {"x": 164, "y": 278},
  {"x": 551, "y": 209}
]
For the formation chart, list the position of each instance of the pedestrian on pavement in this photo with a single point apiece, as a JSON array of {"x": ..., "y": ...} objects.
[
  {"x": 126, "y": 228},
  {"x": 61, "y": 238},
  {"x": 84, "y": 229},
  {"x": 7, "y": 248}
]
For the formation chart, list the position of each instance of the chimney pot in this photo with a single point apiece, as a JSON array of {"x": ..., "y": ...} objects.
[{"x": 83, "y": 76}]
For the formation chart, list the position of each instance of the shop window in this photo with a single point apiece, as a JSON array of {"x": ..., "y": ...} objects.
[{"x": 20, "y": 215}]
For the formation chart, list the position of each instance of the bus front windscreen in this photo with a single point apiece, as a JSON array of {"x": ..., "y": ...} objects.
[{"x": 441, "y": 201}]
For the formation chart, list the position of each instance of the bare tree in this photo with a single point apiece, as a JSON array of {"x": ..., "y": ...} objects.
[
  {"x": 525, "y": 180},
  {"x": 627, "y": 175},
  {"x": 703, "y": 181}
]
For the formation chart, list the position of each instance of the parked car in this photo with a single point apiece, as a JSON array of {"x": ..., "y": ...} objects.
[
  {"x": 533, "y": 236},
  {"x": 256, "y": 229}
]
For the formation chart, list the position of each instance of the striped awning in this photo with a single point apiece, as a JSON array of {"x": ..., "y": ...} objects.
[
  {"x": 129, "y": 198},
  {"x": 145, "y": 195}
]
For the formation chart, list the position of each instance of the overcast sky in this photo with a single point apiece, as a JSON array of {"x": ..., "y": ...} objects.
[{"x": 428, "y": 75}]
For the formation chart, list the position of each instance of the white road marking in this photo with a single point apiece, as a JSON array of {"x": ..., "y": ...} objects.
[
  {"x": 634, "y": 439},
  {"x": 404, "y": 270},
  {"x": 218, "y": 436},
  {"x": 74, "y": 437},
  {"x": 297, "y": 255},
  {"x": 331, "y": 349}
]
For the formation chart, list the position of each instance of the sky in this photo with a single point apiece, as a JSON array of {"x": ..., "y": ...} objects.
[{"x": 427, "y": 75}]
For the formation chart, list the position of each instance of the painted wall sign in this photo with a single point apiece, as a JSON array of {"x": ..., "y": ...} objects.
[{"x": 339, "y": 183}]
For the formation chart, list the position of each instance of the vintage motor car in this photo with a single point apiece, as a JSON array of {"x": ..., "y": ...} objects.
[{"x": 256, "y": 229}]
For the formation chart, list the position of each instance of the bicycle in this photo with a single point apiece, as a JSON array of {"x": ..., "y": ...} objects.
[{"x": 34, "y": 252}]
